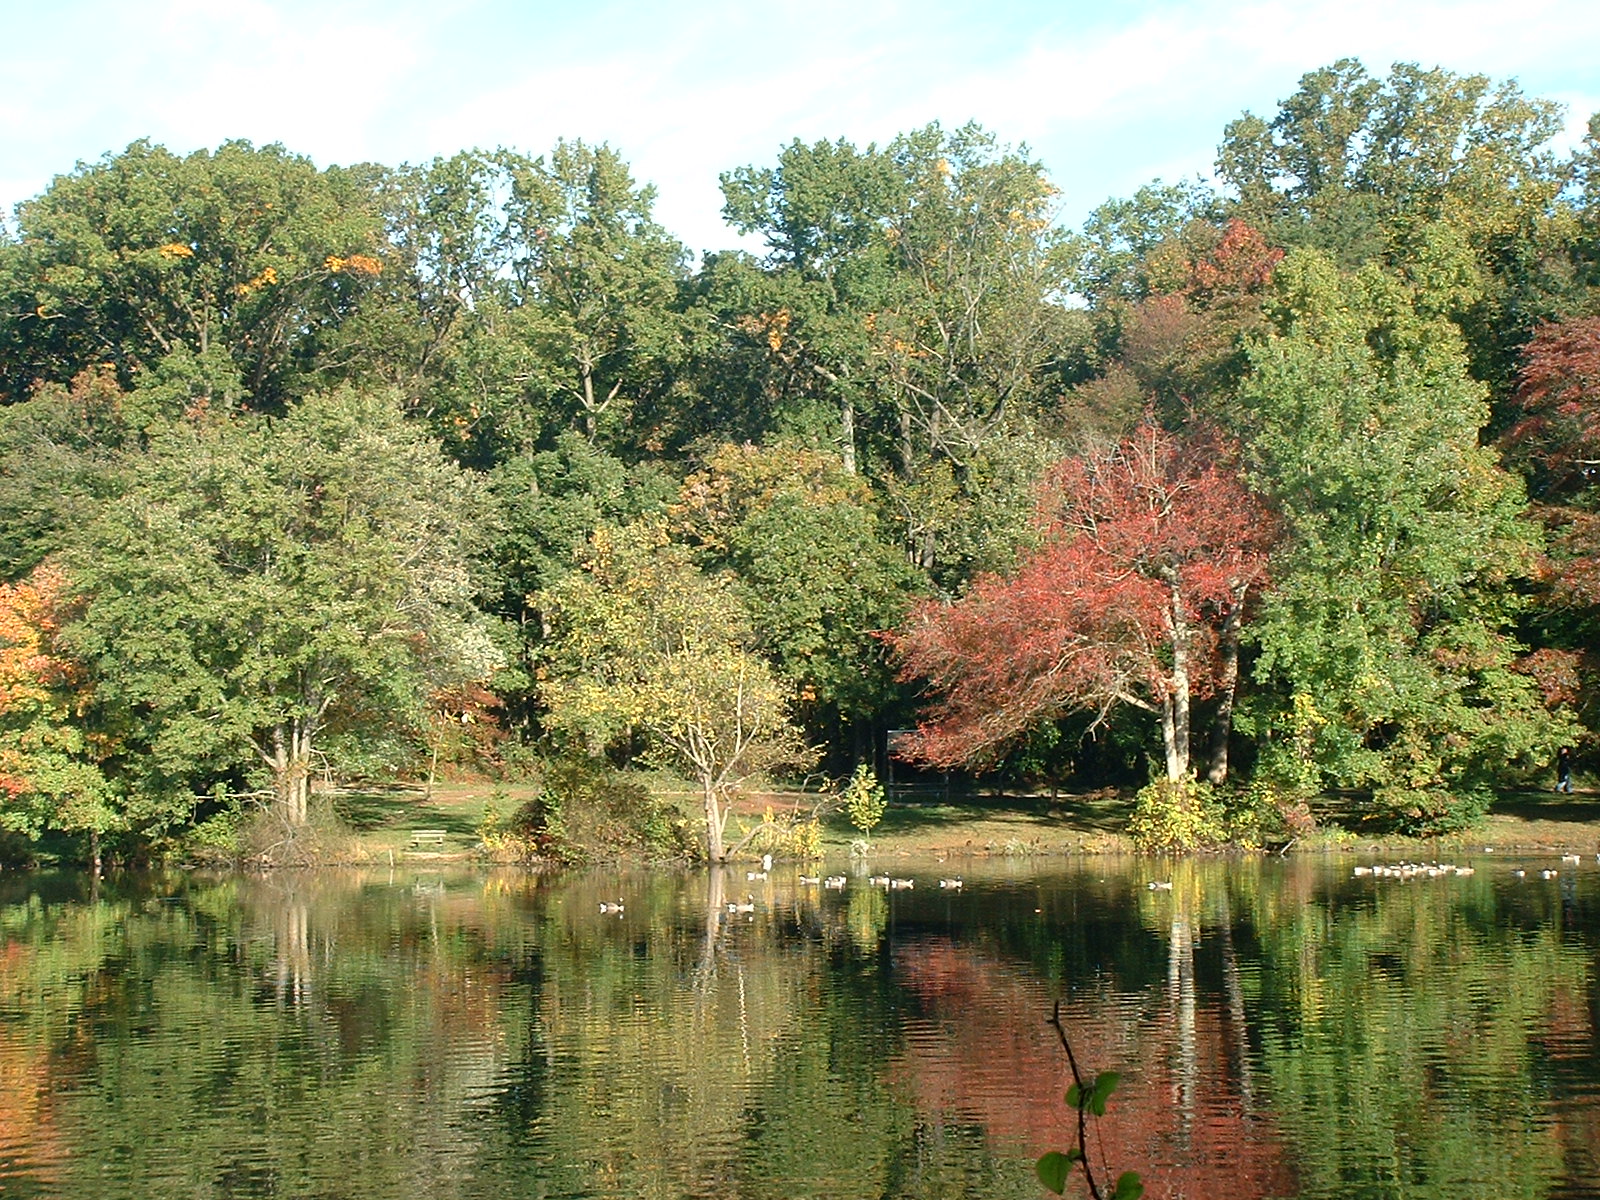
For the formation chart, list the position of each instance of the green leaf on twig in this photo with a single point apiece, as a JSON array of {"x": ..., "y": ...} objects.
[
  {"x": 1105, "y": 1083},
  {"x": 1052, "y": 1169}
]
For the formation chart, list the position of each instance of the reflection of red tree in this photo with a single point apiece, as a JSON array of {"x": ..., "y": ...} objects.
[
  {"x": 986, "y": 1056},
  {"x": 1567, "y": 1038}
]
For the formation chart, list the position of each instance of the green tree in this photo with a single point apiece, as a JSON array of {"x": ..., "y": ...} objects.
[
  {"x": 1377, "y": 170},
  {"x": 221, "y": 269},
  {"x": 417, "y": 327},
  {"x": 599, "y": 280},
  {"x": 528, "y": 296},
  {"x": 983, "y": 269},
  {"x": 260, "y": 586},
  {"x": 863, "y": 799},
  {"x": 1390, "y": 622},
  {"x": 59, "y": 456},
  {"x": 802, "y": 321},
  {"x": 1360, "y": 167},
  {"x": 817, "y": 571},
  {"x": 1125, "y": 248},
  {"x": 546, "y": 505},
  {"x": 1585, "y": 249},
  {"x": 642, "y": 642},
  {"x": 911, "y": 312}
]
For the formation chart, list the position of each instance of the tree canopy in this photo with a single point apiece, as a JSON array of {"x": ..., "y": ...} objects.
[
  {"x": 644, "y": 643},
  {"x": 260, "y": 586},
  {"x": 291, "y": 456}
]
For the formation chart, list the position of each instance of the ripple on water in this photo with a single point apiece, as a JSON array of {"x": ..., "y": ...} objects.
[{"x": 1279, "y": 1030}]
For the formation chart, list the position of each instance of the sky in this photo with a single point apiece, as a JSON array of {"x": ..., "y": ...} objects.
[{"x": 1108, "y": 94}]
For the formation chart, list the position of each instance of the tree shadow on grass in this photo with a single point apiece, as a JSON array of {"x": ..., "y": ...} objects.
[
  {"x": 398, "y": 807},
  {"x": 1549, "y": 806},
  {"x": 1104, "y": 811}
]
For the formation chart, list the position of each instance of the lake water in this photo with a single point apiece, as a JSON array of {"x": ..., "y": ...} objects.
[{"x": 1283, "y": 1028}]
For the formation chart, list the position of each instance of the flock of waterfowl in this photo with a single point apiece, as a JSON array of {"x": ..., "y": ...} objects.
[
  {"x": 836, "y": 883},
  {"x": 1400, "y": 870},
  {"x": 1411, "y": 870},
  {"x": 1439, "y": 870}
]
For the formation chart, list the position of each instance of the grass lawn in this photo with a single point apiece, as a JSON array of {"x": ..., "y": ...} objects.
[{"x": 382, "y": 820}]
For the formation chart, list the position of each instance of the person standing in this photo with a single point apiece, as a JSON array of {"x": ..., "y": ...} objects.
[{"x": 1564, "y": 770}]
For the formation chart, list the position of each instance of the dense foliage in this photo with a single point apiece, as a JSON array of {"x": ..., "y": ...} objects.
[{"x": 293, "y": 460}]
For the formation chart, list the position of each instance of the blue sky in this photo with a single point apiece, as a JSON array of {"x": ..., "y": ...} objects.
[{"x": 1108, "y": 95}]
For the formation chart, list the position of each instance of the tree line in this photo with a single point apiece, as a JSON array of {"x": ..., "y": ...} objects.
[{"x": 1280, "y": 484}]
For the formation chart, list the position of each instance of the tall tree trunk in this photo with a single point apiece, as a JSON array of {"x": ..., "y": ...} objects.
[
  {"x": 1222, "y": 726},
  {"x": 291, "y": 771},
  {"x": 847, "y": 435},
  {"x": 714, "y": 815},
  {"x": 1175, "y": 705},
  {"x": 1169, "y": 739}
]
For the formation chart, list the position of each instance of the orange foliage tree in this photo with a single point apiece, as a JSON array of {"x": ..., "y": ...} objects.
[{"x": 48, "y": 776}]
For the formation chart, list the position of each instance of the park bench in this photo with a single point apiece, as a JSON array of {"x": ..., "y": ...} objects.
[{"x": 428, "y": 837}]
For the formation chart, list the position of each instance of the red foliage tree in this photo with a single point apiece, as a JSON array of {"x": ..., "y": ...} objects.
[
  {"x": 1185, "y": 347},
  {"x": 1135, "y": 597},
  {"x": 1558, "y": 434},
  {"x": 1557, "y": 437},
  {"x": 1240, "y": 264},
  {"x": 1558, "y": 393}
]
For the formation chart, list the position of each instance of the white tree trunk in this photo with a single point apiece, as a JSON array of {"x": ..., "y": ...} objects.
[
  {"x": 290, "y": 761},
  {"x": 1175, "y": 705},
  {"x": 714, "y": 819},
  {"x": 1222, "y": 726},
  {"x": 847, "y": 436}
]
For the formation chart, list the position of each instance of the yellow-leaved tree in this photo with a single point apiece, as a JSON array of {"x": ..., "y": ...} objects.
[{"x": 642, "y": 642}]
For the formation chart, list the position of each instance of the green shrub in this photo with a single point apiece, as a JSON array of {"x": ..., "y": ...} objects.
[
  {"x": 1427, "y": 811},
  {"x": 588, "y": 811},
  {"x": 215, "y": 834},
  {"x": 788, "y": 835},
  {"x": 1178, "y": 815},
  {"x": 1265, "y": 811}
]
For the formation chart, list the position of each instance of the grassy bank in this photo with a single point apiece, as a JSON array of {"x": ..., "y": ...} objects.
[{"x": 382, "y": 822}]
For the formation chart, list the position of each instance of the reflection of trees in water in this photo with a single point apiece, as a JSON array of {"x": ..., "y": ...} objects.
[
  {"x": 1179, "y": 1117},
  {"x": 292, "y": 953},
  {"x": 502, "y": 1034},
  {"x": 1275, "y": 1057},
  {"x": 30, "y": 1135},
  {"x": 1399, "y": 1032}
]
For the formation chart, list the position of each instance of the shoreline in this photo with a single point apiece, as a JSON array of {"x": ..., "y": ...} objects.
[{"x": 1085, "y": 824}]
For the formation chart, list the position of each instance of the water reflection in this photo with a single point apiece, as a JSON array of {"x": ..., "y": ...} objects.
[{"x": 1282, "y": 1028}]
